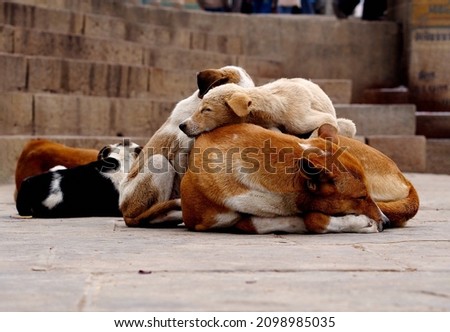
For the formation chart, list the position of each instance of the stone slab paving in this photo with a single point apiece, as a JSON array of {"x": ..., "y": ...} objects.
[{"x": 98, "y": 264}]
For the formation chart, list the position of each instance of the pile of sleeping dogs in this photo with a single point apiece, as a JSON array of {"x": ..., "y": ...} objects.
[{"x": 233, "y": 157}]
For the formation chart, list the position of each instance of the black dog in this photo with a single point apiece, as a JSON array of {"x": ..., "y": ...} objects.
[{"x": 84, "y": 191}]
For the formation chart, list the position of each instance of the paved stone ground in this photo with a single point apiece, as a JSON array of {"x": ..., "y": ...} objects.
[{"x": 98, "y": 264}]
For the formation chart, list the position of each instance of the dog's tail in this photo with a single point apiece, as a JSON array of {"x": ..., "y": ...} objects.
[
  {"x": 161, "y": 214},
  {"x": 400, "y": 211},
  {"x": 346, "y": 127}
]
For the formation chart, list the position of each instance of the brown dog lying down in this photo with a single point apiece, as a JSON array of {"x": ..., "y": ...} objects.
[
  {"x": 243, "y": 177},
  {"x": 39, "y": 155}
]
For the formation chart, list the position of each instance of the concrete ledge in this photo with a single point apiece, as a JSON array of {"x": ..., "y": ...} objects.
[
  {"x": 380, "y": 119},
  {"x": 438, "y": 156},
  {"x": 408, "y": 152},
  {"x": 433, "y": 124}
]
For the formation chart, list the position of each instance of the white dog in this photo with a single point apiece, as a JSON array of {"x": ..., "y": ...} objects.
[
  {"x": 150, "y": 192},
  {"x": 293, "y": 106}
]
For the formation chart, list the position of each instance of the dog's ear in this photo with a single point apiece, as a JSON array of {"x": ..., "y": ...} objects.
[
  {"x": 329, "y": 132},
  {"x": 137, "y": 150},
  {"x": 104, "y": 152},
  {"x": 107, "y": 165},
  {"x": 313, "y": 167},
  {"x": 239, "y": 102},
  {"x": 208, "y": 79}
]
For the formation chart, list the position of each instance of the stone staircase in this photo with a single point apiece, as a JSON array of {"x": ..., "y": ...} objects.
[{"x": 91, "y": 72}]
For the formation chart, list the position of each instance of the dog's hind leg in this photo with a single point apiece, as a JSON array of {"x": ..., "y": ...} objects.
[
  {"x": 161, "y": 214},
  {"x": 151, "y": 185},
  {"x": 400, "y": 211},
  {"x": 265, "y": 225},
  {"x": 313, "y": 120}
]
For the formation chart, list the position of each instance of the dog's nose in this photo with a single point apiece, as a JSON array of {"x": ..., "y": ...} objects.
[{"x": 182, "y": 127}]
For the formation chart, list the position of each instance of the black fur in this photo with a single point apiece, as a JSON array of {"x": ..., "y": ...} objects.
[{"x": 86, "y": 192}]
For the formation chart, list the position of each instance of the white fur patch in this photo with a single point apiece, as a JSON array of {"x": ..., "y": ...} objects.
[
  {"x": 225, "y": 220},
  {"x": 56, "y": 196},
  {"x": 57, "y": 168},
  {"x": 262, "y": 204},
  {"x": 290, "y": 224},
  {"x": 352, "y": 224}
]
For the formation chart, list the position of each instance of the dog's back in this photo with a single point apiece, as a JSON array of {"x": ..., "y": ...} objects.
[
  {"x": 83, "y": 191},
  {"x": 39, "y": 155},
  {"x": 77, "y": 192}
]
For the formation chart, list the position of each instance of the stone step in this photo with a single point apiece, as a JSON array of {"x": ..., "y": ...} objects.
[
  {"x": 56, "y": 114},
  {"x": 438, "y": 156},
  {"x": 433, "y": 124},
  {"x": 11, "y": 148},
  {"x": 117, "y": 28},
  {"x": 380, "y": 119},
  {"x": 108, "y": 7},
  {"x": 407, "y": 151},
  {"x": 289, "y": 46},
  {"x": 399, "y": 95},
  {"x": 53, "y": 114},
  {"x": 31, "y": 42},
  {"x": 90, "y": 78}
]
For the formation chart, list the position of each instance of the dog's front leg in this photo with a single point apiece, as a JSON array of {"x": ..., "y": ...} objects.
[{"x": 316, "y": 222}]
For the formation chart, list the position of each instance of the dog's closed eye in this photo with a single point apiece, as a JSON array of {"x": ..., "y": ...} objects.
[{"x": 206, "y": 109}]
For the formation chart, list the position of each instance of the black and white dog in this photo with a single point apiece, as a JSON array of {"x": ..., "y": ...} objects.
[{"x": 83, "y": 191}]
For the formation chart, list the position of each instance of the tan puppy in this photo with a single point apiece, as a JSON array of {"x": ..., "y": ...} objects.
[
  {"x": 247, "y": 178},
  {"x": 294, "y": 106},
  {"x": 150, "y": 192},
  {"x": 39, "y": 155}
]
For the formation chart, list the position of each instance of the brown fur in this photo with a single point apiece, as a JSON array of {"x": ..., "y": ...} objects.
[
  {"x": 39, "y": 155},
  {"x": 301, "y": 180}
]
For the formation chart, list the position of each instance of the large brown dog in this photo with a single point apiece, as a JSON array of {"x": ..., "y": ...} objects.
[
  {"x": 39, "y": 155},
  {"x": 258, "y": 181}
]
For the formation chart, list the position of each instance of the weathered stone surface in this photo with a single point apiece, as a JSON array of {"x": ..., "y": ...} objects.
[
  {"x": 138, "y": 117},
  {"x": 71, "y": 115},
  {"x": 16, "y": 113},
  {"x": 438, "y": 152},
  {"x": 408, "y": 152},
  {"x": 98, "y": 26},
  {"x": 339, "y": 91},
  {"x": 433, "y": 124},
  {"x": 13, "y": 69},
  {"x": 380, "y": 119},
  {"x": 49, "y": 19},
  {"x": 93, "y": 264},
  {"x": 6, "y": 39}
]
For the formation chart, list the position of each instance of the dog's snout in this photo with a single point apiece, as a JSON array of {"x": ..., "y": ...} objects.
[{"x": 182, "y": 127}]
